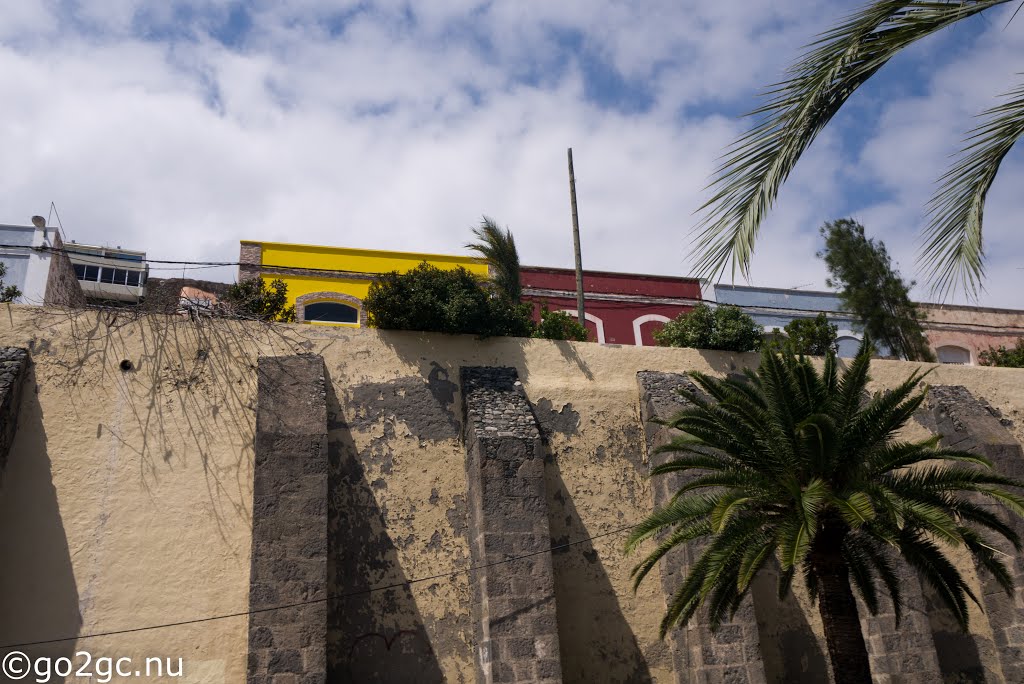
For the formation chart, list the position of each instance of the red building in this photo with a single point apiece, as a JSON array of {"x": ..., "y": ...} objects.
[{"x": 620, "y": 308}]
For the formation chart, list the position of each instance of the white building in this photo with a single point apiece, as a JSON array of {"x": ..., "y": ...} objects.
[
  {"x": 109, "y": 273},
  {"x": 28, "y": 253}
]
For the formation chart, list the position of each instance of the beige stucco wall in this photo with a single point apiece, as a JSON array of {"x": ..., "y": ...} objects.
[{"x": 127, "y": 500}]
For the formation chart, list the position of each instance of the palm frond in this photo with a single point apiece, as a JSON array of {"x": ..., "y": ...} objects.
[
  {"x": 952, "y": 252},
  {"x": 499, "y": 248},
  {"x": 818, "y": 84}
]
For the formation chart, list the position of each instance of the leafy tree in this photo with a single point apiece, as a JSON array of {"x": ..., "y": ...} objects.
[
  {"x": 253, "y": 298},
  {"x": 499, "y": 248},
  {"x": 1010, "y": 358},
  {"x": 812, "y": 336},
  {"x": 558, "y": 325},
  {"x": 812, "y": 93},
  {"x": 801, "y": 466},
  {"x": 869, "y": 288},
  {"x": 725, "y": 327},
  {"x": 10, "y": 292},
  {"x": 450, "y": 301}
]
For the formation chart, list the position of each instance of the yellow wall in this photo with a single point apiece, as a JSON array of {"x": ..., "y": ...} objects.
[{"x": 285, "y": 255}]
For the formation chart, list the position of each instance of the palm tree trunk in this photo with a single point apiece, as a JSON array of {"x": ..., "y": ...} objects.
[{"x": 838, "y": 609}]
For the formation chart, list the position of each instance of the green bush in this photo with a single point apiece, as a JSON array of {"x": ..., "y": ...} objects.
[
  {"x": 558, "y": 325},
  {"x": 253, "y": 298},
  {"x": 1010, "y": 358},
  {"x": 8, "y": 293},
  {"x": 812, "y": 336},
  {"x": 451, "y": 301},
  {"x": 725, "y": 327}
]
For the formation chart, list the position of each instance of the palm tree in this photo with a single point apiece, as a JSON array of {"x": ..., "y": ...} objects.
[
  {"x": 816, "y": 87},
  {"x": 802, "y": 466},
  {"x": 499, "y": 248}
]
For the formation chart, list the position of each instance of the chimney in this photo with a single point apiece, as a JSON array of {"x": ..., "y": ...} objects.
[{"x": 38, "y": 222}]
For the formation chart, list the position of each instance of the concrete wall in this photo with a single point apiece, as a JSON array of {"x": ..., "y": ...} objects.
[{"x": 127, "y": 499}]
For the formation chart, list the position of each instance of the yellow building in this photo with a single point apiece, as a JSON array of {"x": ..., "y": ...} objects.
[{"x": 328, "y": 284}]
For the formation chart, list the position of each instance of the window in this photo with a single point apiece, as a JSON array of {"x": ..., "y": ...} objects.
[
  {"x": 90, "y": 273},
  {"x": 331, "y": 312},
  {"x": 848, "y": 346},
  {"x": 133, "y": 278},
  {"x": 954, "y": 355},
  {"x": 107, "y": 275}
]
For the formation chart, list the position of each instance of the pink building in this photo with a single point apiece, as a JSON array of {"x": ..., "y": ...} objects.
[{"x": 958, "y": 334}]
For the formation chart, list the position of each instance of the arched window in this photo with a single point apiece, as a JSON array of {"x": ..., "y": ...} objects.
[
  {"x": 331, "y": 312},
  {"x": 639, "y": 323},
  {"x": 954, "y": 355},
  {"x": 848, "y": 346}
]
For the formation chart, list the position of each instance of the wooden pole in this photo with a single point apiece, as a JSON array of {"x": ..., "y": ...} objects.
[{"x": 576, "y": 244}]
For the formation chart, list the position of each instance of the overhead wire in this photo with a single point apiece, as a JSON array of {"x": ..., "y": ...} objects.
[
  {"x": 313, "y": 269},
  {"x": 310, "y": 602}
]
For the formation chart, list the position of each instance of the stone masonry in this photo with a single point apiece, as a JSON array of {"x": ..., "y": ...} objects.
[
  {"x": 732, "y": 654},
  {"x": 513, "y": 602},
  {"x": 13, "y": 366},
  {"x": 250, "y": 256},
  {"x": 968, "y": 424},
  {"x": 289, "y": 536},
  {"x": 62, "y": 288},
  {"x": 903, "y": 653}
]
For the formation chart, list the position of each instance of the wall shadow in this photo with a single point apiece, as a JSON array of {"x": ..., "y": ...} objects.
[
  {"x": 790, "y": 650},
  {"x": 960, "y": 659},
  {"x": 38, "y": 594},
  {"x": 374, "y": 636},
  {"x": 595, "y": 640},
  {"x": 422, "y": 349}
]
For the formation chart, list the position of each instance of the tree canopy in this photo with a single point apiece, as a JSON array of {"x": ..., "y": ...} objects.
[
  {"x": 812, "y": 92},
  {"x": 254, "y": 298},
  {"x": 1001, "y": 356},
  {"x": 499, "y": 248},
  {"x": 724, "y": 327},
  {"x": 860, "y": 268},
  {"x": 800, "y": 466},
  {"x": 453, "y": 301},
  {"x": 8, "y": 293}
]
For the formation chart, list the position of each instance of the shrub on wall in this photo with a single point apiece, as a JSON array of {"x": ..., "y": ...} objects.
[
  {"x": 253, "y": 298},
  {"x": 725, "y": 327},
  {"x": 812, "y": 336},
  {"x": 1010, "y": 358},
  {"x": 558, "y": 325},
  {"x": 8, "y": 293},
  {"x": 451, "y": 301}
]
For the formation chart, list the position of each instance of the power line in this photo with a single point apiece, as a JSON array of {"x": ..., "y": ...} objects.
[
  {"x": 311, "y": 602},
  {"x": 313, "y": 269}
]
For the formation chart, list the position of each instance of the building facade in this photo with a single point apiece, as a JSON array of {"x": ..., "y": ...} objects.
[
  {"x": 110, "y": 273},
  {"x": 775, "y": 308},
  {"x": 38, "y": 266},
  {"x": 327, "y": 285},
  {"x": 959, "y": 334},
  {"x": 620, "y": 308}
]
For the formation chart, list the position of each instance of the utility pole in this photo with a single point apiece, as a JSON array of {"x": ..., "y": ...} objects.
[{"x": 576, "y": 244}]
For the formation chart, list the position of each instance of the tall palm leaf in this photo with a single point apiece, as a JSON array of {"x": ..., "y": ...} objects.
[
  {"x": 499, "y": 248},
  {"x": 798, "y": 465},
  {"x": 818, "y": 84}
]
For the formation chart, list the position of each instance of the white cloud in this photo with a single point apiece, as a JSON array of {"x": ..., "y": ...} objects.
[{"x": 327, "y": 124}]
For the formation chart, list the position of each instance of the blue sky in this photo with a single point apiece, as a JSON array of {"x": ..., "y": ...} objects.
[{"x": 183, "y": 126}]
